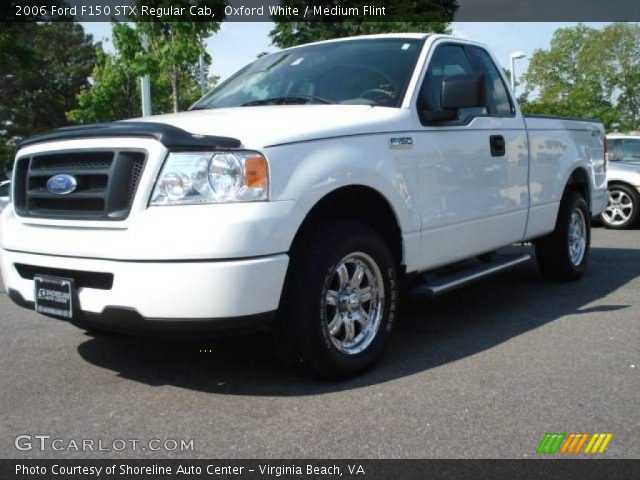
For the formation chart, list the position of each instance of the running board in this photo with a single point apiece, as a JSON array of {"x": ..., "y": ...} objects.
[{"x": 442, "y": 284}]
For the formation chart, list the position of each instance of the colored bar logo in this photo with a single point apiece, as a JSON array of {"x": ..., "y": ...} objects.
[{"x": 574, "y": 443}]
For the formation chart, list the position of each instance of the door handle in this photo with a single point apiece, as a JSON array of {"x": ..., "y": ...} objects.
[{"x": 497, "y": 144}]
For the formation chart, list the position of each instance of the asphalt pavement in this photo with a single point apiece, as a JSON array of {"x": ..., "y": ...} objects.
[{"x": 482, "y": 372}]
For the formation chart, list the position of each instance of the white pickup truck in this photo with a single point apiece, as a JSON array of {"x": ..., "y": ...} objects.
[{"x": 298, "y": 194}]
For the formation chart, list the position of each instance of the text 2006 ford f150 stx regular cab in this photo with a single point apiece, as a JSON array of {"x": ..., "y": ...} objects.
[{"x": 298, "y": 194}]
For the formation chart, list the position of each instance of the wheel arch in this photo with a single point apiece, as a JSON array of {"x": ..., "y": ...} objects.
[
  {"x": 624, "y": 183},
  {"x": 360, "y": 203},
  {"x": 579, "y": 181}
]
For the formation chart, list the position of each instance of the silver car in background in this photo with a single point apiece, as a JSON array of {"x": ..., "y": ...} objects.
[
  {"x": 623, "y": 178},
  {"x": 5, "y": 187}
]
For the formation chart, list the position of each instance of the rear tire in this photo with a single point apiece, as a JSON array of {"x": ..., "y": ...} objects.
[
  {"x": 622, "y": 209},
  {"x": 339, "y": 302},
  {"x": 563, "y": 254}
]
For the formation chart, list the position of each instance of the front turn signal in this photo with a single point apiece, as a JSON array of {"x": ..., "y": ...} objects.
[{"x": 256, "y": 175}]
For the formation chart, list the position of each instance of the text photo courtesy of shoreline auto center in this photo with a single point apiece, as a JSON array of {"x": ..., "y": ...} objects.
[{"x": 319, "y": 239}]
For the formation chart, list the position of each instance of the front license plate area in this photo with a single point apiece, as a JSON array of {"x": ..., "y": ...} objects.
[{"x": 54, "y": 296}]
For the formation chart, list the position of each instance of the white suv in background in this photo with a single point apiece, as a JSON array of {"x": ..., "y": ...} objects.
[{"x": 623, "y": 179}]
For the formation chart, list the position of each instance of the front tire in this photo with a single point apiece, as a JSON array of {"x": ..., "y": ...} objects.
[
  {"x": 622, "y": 210},
  {"x": 563, "y": 254},
  {"x": 340, "y": 299}
]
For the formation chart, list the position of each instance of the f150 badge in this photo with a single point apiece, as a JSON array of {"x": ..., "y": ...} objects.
[{"x": 400, "y": 142}]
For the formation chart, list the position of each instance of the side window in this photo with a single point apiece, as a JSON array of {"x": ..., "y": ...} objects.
[
  {"x": 630, "y": 150},
  {"x": 447, "y": 60},
  {"x": 497, "y": 96},
  {"x": 615, "y": 154}
]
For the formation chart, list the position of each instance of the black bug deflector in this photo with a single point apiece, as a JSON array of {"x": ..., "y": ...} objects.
[{"x": 171, "y": 137}]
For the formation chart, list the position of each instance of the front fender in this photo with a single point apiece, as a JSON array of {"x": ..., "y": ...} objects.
[{"x": 308, "y": 171}]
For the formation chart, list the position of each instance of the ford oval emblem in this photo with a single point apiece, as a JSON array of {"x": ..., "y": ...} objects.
[{"x": 62, "y": 184}]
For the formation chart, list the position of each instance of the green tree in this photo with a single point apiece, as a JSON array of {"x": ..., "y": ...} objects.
[
  {"x": 42, "y": 68},
  {"x": 169, "y": 47},
  {"x": 429, "y": 16},
  {"x": 112, "y": 95},
  {"x": 16, "y": 58},
  {"x": 620, "y": 43},
  {"x": 175, "y": 47},
  {"x": 42, "y": 93},
  {"x": 570, "y": 78}
]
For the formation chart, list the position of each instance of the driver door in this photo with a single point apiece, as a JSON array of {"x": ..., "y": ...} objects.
[{"x": 473, "y": 169}]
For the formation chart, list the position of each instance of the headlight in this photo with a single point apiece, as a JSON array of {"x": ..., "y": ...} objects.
[{"x": 211, "y": 177}]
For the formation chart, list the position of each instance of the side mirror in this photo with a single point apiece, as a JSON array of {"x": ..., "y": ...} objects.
[
  {"x": 463, "y": 91},
  {"x": 456, "y": 92}
]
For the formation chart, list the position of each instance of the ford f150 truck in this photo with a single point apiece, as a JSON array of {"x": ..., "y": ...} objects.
[{"x": 299, "y": 195}]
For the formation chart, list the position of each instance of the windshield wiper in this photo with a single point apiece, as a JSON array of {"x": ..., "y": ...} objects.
[
  {"x": 202, "y": 107},
  {"x": 288, "y": 100}
]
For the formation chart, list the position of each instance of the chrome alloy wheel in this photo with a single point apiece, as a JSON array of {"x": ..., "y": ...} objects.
[
  {"x": 354, "y": 303},
  {"x": 577, "y": 237},
  {"x": 619, "y": 209}
]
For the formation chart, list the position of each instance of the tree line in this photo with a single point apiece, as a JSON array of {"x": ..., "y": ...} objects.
[
  {"x": 588, "y": 73},
  {"x": 54, "y": 74}
]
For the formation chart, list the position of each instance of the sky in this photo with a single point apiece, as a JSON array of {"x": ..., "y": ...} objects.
[{"x": 238, "y": 43}]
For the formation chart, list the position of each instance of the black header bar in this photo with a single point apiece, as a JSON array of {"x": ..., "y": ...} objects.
[
  {"x": 320, "y": 10},
  {"x": 279, "y": 469}
]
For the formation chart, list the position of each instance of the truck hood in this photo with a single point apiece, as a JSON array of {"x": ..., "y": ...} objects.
[{"x": 263, "y": 126}]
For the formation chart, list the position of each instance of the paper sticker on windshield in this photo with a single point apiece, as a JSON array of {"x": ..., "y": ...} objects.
[{"x": 400, "y": 142}]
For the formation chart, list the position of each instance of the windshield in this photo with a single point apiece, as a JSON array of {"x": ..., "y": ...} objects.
[{"x": 359, "y": 72}]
